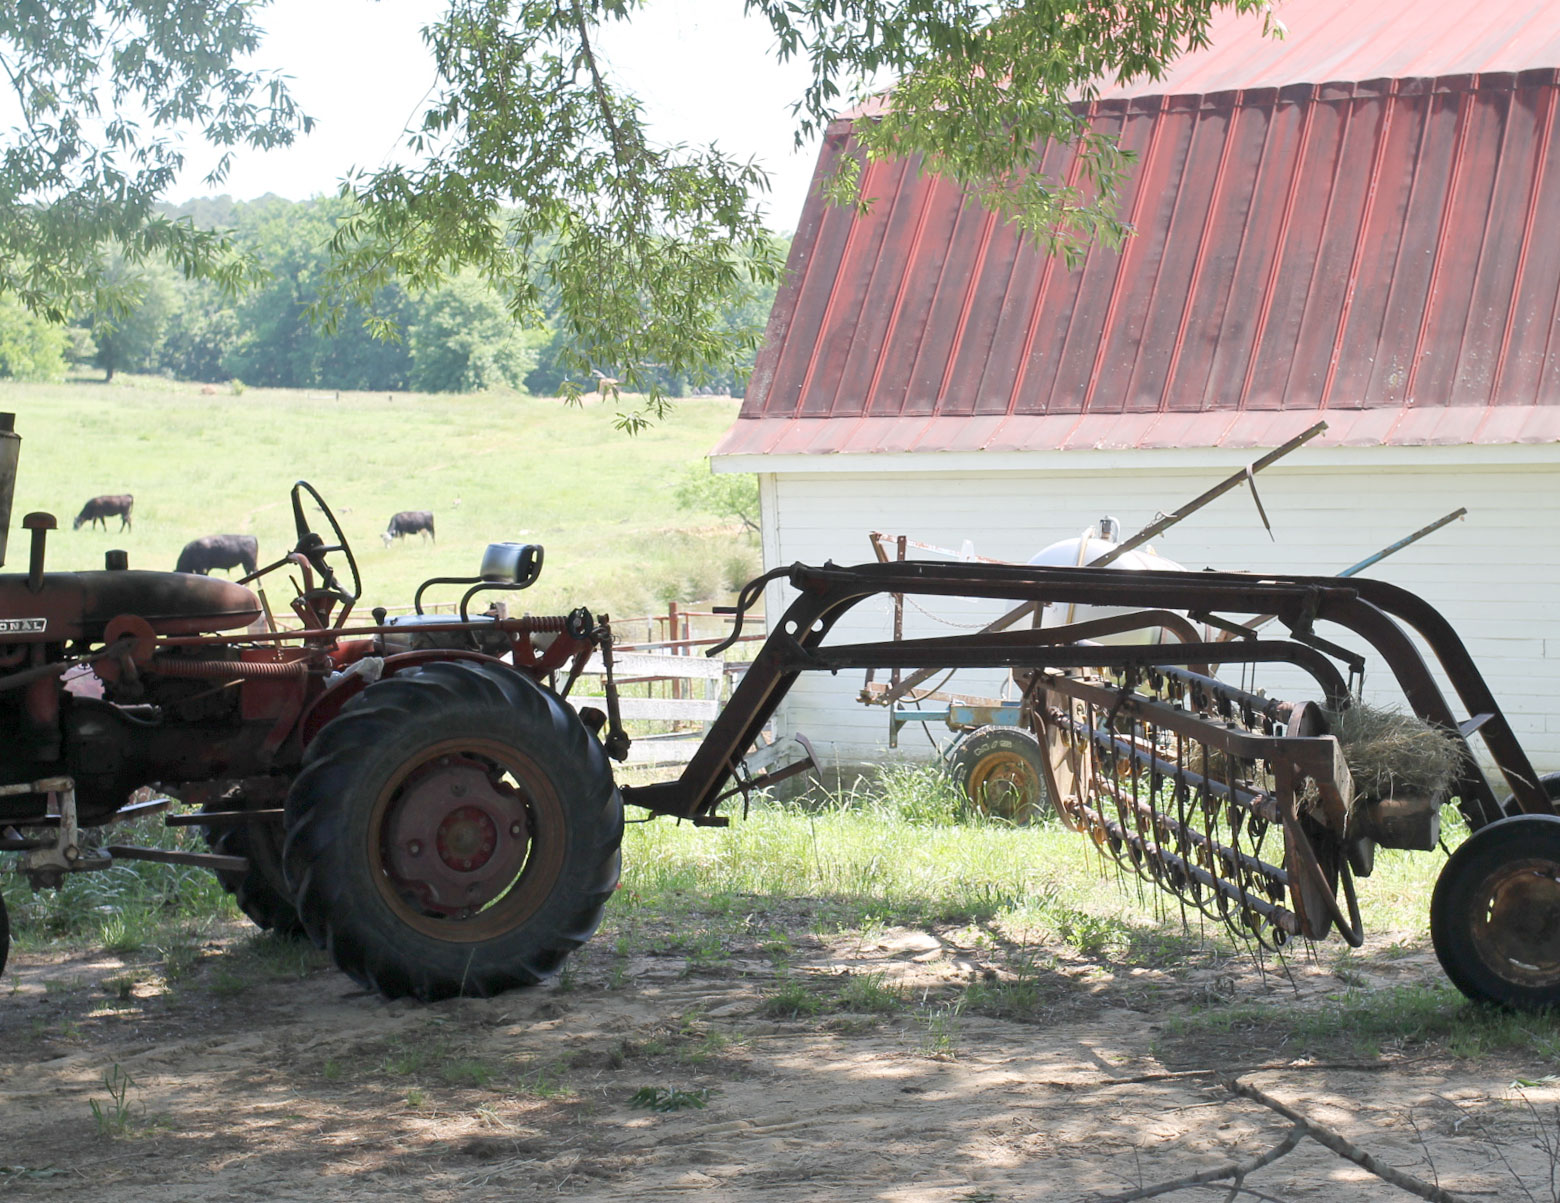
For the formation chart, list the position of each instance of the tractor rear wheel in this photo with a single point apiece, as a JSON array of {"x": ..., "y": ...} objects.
[
  {"x": 1495, "y": 914},
  {"x": 1000, "y": 771},
  {"x": 454, "y": 831},
  {"x": 261, "y": 891}
]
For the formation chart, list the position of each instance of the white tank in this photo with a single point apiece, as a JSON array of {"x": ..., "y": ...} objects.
[{"x": 1084, "y": 550}]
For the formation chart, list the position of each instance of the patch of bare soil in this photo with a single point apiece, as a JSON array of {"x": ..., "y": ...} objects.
[{"x": 239, "y": 1084}]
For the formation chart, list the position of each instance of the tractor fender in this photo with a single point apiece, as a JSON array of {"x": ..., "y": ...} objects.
[{"x": 348, "y": 685}]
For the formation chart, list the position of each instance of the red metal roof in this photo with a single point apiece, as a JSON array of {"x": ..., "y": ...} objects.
[
  {"x": 1363, "y": 39},
  {"x": 1385, "y": 245}
]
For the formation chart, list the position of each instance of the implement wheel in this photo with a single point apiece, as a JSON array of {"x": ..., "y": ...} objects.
[
  {"x": 999, "y": 770},
  {"x": 455, "y": 830},
  {"x": 1495, "y": 914},
  {"x": 1549, "y": 783},
  {"x": 261, "y": 891}
]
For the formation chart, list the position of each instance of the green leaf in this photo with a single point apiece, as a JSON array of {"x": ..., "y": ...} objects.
[{"x": 668, "y": 1098}]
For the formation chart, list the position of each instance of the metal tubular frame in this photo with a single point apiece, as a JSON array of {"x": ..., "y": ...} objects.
[{"x": 1375, "y": 611}]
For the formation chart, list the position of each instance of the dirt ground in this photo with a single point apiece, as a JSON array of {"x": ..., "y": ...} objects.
[{"x": 243, "y": 1082}]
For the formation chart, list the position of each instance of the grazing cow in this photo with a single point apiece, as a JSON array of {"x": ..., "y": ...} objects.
[
  {"x": 409, "y": 522},
  {"x": 219, "y": 551},
  {"x": 101, "y": 509}
]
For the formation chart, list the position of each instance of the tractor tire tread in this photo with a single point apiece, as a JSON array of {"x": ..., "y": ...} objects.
[
  {"x": 260, "y": 892},
  {"x": 339, "y": 906}
]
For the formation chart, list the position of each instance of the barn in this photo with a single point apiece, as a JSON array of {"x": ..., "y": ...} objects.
[{"x": 1354, "y": 225}]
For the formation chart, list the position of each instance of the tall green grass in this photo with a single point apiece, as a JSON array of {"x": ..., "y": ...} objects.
[
  {"x": 126, "y": 908},
  {"x": 903, "y": 849},
  {"x": 490, "y": 467}
]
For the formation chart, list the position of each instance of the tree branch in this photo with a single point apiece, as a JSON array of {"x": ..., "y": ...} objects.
[
  {"x": 603, "y": 100},
  {"x": 1234, "y": 1170},
  {"x": 1326, "y": 1136}
]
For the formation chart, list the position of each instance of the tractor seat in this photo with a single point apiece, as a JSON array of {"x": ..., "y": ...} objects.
[{"x": 79, "y": 605}]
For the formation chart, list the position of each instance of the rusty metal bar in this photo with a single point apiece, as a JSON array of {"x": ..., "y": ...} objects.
[
  {"x": 1167, "y": 824},
  {"x": 1371, "y": 609},
  {"x": 1258, "y": 803},
  {"x": 899, "y": 614},
  {"x": 1016, "y": 649},
  {"x": 1165, "y": 521},
  {"x": 225, "y": 818},
  {"x": 165, "y": 856}
]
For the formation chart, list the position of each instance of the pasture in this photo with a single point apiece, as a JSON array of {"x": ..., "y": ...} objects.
[{"x": 490, "y": 467}]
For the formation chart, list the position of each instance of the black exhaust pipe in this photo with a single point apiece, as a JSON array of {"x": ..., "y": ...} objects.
[{"x": 10, "y": 452}]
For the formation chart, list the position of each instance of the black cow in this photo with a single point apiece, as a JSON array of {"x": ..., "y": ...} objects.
[
  {"x": 101, "y": 509},
  {"x": 409, "y": 522},
  {"x": 219, "y": 551}
]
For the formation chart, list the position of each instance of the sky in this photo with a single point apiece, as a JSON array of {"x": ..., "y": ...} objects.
[{"x": 704, "y": 71}]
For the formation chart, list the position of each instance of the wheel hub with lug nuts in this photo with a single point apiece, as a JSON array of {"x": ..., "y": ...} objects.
[{"x": 456, "y": 837}]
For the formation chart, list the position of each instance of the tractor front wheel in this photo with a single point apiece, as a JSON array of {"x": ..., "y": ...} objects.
[
  {"x": 261, "y": 890},
  {"x": 454, "y": 831}
]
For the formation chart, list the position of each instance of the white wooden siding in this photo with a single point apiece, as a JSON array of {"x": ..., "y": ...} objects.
[{"x": 1495, "y": 574}]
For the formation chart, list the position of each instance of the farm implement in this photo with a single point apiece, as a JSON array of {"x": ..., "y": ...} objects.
[{"x": 419, "y": 797}]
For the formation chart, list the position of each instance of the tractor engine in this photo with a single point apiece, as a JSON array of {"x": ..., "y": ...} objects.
[{"x": 76, "y": 701}]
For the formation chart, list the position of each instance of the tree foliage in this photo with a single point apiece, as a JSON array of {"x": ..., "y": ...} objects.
[
  {"x": 454, "y": 337},
  {"x": 129, "y": 336},
  {"x": 533, "y": 169},
  {"x": 536, "y": 171},
  {"x": 465, "y": 341},
  {"x": 102, "y": 90},
  {"x": 31, "y": 347},
  {"x": 729, "y": 494}
]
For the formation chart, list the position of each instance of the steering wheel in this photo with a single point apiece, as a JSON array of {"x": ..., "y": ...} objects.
[{"x": 316, "y": 549}]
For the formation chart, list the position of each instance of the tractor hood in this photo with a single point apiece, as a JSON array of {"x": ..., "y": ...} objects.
[{"x": 79, "y": 605}]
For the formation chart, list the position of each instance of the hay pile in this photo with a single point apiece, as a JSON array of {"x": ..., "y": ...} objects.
[{"x": 1395, "y": 755}]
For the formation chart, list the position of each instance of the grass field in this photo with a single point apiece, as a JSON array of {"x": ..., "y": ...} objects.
[{"x": 490, "y": 467}]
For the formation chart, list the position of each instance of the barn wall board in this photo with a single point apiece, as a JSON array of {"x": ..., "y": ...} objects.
[{"x": 1493, "y": 573}]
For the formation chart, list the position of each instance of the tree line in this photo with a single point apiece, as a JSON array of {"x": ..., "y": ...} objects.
[{"x": 459, "y": 335}]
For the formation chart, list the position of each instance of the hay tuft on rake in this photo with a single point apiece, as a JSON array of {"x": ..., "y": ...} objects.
[{"x": 1392, "y": 754}]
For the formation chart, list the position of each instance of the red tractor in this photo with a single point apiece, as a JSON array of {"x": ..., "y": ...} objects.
[{"x": 409, "y": 792}]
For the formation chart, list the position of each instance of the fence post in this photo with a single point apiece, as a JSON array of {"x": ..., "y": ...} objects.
[{"x": 671, "y": 635}]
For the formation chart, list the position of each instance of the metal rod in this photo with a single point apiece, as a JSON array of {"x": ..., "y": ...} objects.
[
  {"x": 1165, "y": 521},
  {"x": 1390, "y": 549},
  {"x": 1260, "y": 804},
  {"x": 163, "y": 856},
  {"x": 1393, "y": 548},
  {"x": 1227, "y": 855},
  {"x": 1285, "y": 920},
  {"x": 1159, "y": 525},
  {"x": 224, "y": 818}
]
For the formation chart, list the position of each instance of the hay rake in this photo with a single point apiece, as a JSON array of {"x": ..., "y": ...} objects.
[
  {"x": 1200, "y": 790},
  {"x": 1239, "y": 804}
]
